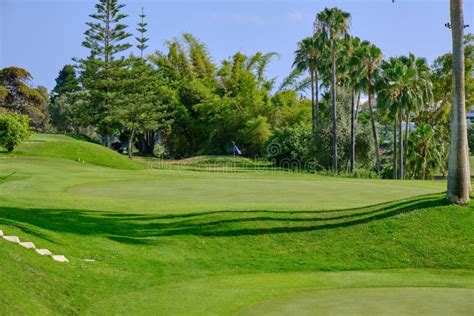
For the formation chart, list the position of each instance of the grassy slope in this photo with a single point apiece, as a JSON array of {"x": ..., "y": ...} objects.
[
  {"x": 190, "y": 260},
  {"x": 64, "y": 147}
]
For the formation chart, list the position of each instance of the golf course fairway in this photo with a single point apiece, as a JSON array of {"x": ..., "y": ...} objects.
[{"x": 165, "y": 241}]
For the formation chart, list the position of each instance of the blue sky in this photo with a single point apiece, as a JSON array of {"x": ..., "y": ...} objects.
[{"x": 43, "y": 35}]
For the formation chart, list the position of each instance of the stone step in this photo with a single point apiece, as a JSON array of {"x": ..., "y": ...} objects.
[
  {"x": 14, "y": 239},
  {"x": 60, "y": 258},
  {"x": 43, "y": 252},
  {"x": 28, "y": 245}
]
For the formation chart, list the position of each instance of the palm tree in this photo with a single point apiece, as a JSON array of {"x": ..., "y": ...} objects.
[
  {"x": 370, "y": 60},
  {"x": 428, "y": 153},
  {"x": 354, "y": 76},
  {"x": 308, "y": 58},
  {"x": 404, "y": 87},
  {"x": 459, "y": 183},
  {"x": 332, "y": 25},
  {"x": 422, "y": 94}
]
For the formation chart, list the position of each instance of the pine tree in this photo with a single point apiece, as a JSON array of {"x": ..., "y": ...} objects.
[
  {"x": 66, "y": 82},
  {"x": 102, "y": 70},
  {"x": 105, "y": 36},
  {"x": 142, "y": 30},
  {"x": 140, "y": 107}
]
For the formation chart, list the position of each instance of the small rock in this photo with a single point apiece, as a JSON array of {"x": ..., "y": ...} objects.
[
  {"x": 89, "y": 260},
  {"x": 12, "y": 239},
  {"x": 60, "y": 258},
  {"x": 28, "y": 245},
  {"x": 1, "y": 233},
  {"x": 43, "y": 252}
]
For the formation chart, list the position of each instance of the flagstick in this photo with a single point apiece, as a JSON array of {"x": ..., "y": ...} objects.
[{"x": 235, "y": 171}]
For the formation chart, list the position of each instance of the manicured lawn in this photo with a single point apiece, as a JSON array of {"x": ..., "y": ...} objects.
[
  {"x": 189, "y": 242},
  {"x": 379, "y": 301}
]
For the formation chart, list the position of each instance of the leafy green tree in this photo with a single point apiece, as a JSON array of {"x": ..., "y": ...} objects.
[
  {"x": 255, "y": 134},
  {"x": 66, "y": 82},
  {"x": 363, "y": 141},
  {"x": 291, "y": 145},
  {"x": 139, "y": 107},
  {"x": 14, "y": 129},
  {"x": 17, "y": 96},
  {"x": 332, "y": 25},
  {"x": 289, "y": 109}
]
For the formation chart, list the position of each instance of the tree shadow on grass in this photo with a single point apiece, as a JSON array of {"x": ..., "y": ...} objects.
[{"x": 148, "y": 229}]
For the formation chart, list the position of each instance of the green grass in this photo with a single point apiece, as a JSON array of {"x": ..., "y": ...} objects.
[
  {"x": 185, "y": 242},
  {"x": 399, "y": 301},
  {"x": 65, "y": 147}
]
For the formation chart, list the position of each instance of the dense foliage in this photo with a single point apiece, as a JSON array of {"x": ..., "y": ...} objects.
[
  {"x": 14, "y": 129},
  {"x": 343, "y": 107}
]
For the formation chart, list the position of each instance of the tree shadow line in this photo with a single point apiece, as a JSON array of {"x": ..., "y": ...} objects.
[{"x": 147, "y": 229}]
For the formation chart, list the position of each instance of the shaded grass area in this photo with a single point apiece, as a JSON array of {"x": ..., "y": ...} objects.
[{"x": 146, "y": 255}]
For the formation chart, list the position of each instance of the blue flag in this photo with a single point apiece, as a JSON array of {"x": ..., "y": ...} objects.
[{"x": 236, "y": 149}]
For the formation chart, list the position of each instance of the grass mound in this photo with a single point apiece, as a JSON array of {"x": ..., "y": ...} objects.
[
  {"x": 222, "y": 161},
  {"x": 65, "y": 147}
]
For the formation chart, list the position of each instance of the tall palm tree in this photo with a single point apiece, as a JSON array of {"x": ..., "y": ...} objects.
[
  {"x": 354, "y": 76},
  {"x": 459, "y": 183},
  {"x": 370, "y": 60},
  {"x": 404, "y": 86},
  {"x": 332, "y": 25},
  {"x": 308, "y": 58},
  {"x": 422, "y": 94}
]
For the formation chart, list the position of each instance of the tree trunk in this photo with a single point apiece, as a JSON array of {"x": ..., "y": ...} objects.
[
  {"x": 357, "y": 106},
  {"x": 395, "y": 145},
  {"x": 374, "y": 130},
  {"x": 407, "y": 134},
  {"x": 313, "y": 112},
  {"x": 459, "y": 183},
  {"x": 334, "y": 114},
  {"x": 353, "y": 132},
  {"x": 130, "y": 141},
  {"x": 316, "y": 96},
  {"x": 400, "y": 141}
]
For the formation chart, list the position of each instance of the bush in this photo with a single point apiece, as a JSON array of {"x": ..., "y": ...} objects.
[
  {"x": 470, "y": 138},
  {"x": 159, "y": 151},
  {"x": 290, "y": 147},
  {"x": 14, "y": 129}
]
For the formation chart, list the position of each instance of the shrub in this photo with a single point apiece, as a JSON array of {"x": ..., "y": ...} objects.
[
  {"x": 14, "y": 129},
  {"x": 470, "y": 138},
  {"x": 290, "y": 146}
]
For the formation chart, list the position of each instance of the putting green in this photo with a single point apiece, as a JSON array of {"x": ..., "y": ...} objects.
[
  {"x": 225, "y": 192},
  {"x": 370, "y": 301}
]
